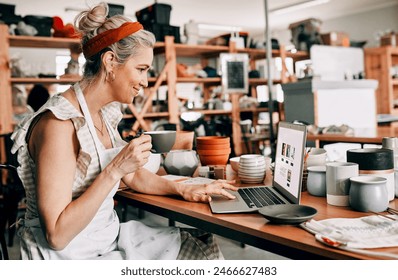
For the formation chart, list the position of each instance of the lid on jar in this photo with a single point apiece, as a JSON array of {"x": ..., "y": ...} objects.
[{"x": 372, "y": 158}]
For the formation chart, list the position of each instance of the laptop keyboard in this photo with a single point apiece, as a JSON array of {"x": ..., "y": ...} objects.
[{"x": 259, "y": 197}]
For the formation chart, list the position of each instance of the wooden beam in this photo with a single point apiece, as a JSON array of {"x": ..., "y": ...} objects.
[{"x": 6, "y": 112}]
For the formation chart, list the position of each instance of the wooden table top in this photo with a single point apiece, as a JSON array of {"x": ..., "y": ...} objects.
[{"x": 287, "y": 240}]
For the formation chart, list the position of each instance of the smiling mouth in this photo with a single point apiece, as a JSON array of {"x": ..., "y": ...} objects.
[{"x": 136, "y": 92}]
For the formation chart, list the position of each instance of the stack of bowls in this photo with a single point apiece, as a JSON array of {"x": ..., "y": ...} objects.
[
  {"x": 213, "y": 150},
  {"x": 252, "y": 169}
]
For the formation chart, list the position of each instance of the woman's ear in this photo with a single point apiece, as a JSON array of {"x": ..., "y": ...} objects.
[{"x": 108, "y": 59}]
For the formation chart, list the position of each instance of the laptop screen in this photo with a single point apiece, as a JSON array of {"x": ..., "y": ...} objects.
[{"x": 289, "y": 159}]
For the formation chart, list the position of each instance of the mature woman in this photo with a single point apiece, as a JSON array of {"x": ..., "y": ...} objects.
[{"x": 72, "y": 159}]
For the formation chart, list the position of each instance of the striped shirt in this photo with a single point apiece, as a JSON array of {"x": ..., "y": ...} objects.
[{"x": 88, "y": 166}]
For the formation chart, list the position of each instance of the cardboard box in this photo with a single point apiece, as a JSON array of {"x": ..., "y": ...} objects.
[
  {"x": 336, "y": 39},
  {"x": 389, "y": 40},
  {"x": 305, "y": 33}
]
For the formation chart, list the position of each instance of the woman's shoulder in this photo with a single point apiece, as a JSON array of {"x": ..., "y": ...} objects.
[
  {"x": 55, "y": 111},
  {"x": 61, "y": 107}
]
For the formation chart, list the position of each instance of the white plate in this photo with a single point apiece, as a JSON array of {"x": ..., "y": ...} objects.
[{"x": 288, "y": 213}]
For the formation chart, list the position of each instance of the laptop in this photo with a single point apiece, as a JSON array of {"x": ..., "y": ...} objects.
[{"x": 287, "y": 179}]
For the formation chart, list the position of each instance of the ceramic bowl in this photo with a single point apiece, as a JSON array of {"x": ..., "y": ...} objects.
[
  {"x": 251, "y": 159},
  {"x": 258, "y": 172},
  {"x": 212, "y": 140},
  {"x": 162, "y": 140},
  {"x": 214, "y": 152},
  {"x": 234, "y": 163},
  {"x": 250, "y": 177},
  {"x": 204, "y": 146},
  {"x": 249, "y": 180},
  {"x": 153, "y": 163},
  {"x": 213, "y": 159}
]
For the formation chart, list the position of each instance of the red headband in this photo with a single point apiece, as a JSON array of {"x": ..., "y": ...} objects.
[{"x": 109, "y": 37}]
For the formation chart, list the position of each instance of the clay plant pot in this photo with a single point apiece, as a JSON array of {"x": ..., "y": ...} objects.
[
  {"x": 214, "y": 159},
  {"x": 200, "y": 146},
  {"x": 212, "y": 140},
  {"x": 214, "y": 152}
]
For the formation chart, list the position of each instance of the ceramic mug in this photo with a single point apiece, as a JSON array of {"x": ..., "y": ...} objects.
[
  {"x": 316, "y": 180},
  {"x": 368, "y": 193},
  {"x": 316, "y": 157},
  {"x": 338, "y": 176}
]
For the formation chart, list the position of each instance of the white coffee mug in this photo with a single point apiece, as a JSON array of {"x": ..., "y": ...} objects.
[
  {"x": 316, "y": 157},
  {"x": 316, "y": 181},
  {"x": 338, "y": 176}
]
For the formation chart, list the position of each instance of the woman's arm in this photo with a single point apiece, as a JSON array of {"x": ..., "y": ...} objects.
[
  {"x": 54, "y": 147},
  {"x": 146, "y": 182}
]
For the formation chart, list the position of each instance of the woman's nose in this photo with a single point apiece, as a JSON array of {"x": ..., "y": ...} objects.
[{"x": 144, "y": 81}]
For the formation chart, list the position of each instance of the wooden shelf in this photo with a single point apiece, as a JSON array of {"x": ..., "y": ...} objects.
[
  {"x": 44, "y": 80},
  {"x": 228, "y": 112},
  {"x": 42, "y": 42},
  {"x": 261, "y": 81},
  {"x": 378, "y": 62},
  {"x": 170, "y": 50},
  {"x": 199, "y": 50},
  {"x": 254, "y": 110}
]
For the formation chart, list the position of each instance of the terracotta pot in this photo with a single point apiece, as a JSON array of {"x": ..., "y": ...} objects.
[
  {"x": 201, "y": 146},
  {"x": 212, "y": 140},
  {"x": 214, "y": 152},
  {"x": 214, "y": 160}
]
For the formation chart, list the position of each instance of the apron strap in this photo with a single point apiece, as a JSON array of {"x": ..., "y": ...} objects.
[{"x": 86, "y": 113}]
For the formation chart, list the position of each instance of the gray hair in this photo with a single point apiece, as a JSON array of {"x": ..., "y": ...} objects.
[{"x": 95, "y": 21}]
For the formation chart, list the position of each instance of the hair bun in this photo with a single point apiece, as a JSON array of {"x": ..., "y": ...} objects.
[{"x": 87, "y": 22}]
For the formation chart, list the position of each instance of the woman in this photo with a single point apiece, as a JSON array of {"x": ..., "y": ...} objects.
[{"x": 72, "y": 159}]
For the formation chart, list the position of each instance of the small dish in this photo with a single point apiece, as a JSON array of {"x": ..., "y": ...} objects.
[
  {"x": 234, "y": 163},
  {"x": 288, "y": 213}
]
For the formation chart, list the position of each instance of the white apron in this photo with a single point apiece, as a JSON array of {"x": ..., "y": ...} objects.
[{"x": 104, "y": 237}]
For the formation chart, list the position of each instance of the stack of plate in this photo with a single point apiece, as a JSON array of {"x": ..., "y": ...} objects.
[{"x": 252, "y": 169}]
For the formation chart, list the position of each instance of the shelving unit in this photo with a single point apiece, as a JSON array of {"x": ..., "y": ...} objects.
[
  {"x": 168, "y": 77},
  {"x": 378, "y": 64},
  {"x": 204, "y": 53}
]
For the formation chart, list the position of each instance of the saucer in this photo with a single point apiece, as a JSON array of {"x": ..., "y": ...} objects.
[{"x": 288, "y": 213}]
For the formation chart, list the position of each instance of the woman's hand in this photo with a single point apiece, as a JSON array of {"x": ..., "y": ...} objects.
[
  {"x": 202, "y": 193},
  {"x": 134, "y": 156}
]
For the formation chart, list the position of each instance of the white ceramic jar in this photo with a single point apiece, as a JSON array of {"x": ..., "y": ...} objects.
[
  {"x": 316, "y": 180},
  {"x": 368, "y": 193}
]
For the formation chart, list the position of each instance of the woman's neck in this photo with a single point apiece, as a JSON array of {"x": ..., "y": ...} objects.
[{"x": 96, "y": 95}]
